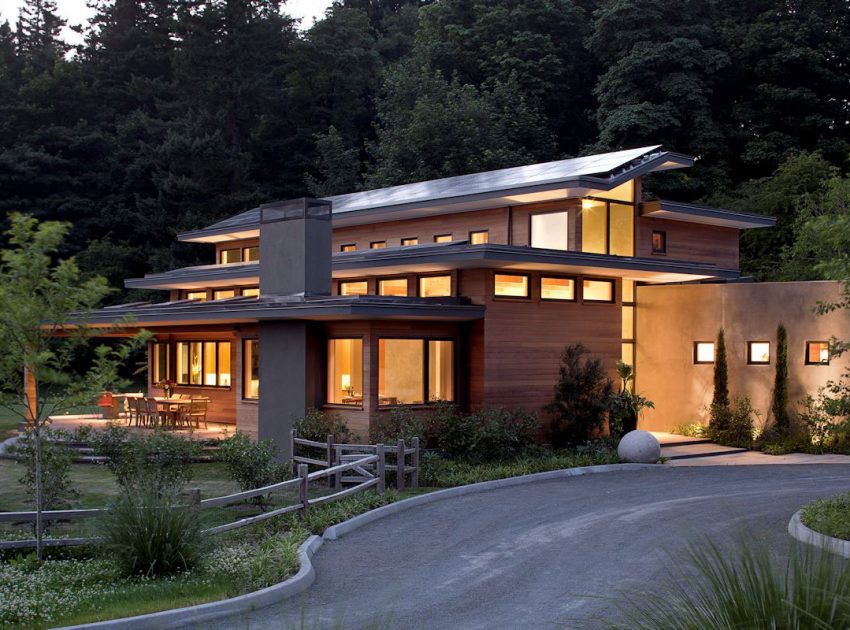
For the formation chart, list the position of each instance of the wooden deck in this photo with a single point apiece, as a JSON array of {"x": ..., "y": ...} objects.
[{"x": 214, "y": 430}]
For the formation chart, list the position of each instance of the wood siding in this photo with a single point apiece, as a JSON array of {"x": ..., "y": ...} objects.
[{"x": 689, "y": 241}]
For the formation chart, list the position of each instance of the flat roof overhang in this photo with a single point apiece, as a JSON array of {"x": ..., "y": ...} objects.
[
  {"x": 200, "y": 277},
  {"x": 267, "y": 308},
  {"x": 693, "y": 213},
  {"x": 478, "y": 191}
]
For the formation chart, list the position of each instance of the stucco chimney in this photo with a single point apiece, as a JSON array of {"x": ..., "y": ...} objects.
[{"x": 295, "y": 247}]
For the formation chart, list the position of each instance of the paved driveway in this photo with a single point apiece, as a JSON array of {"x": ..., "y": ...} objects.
[{"x": 541, "y": 555}]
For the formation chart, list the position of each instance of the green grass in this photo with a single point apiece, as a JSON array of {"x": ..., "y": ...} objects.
[
  {"x": 829, "y": 516},
  {"x": 8, "y": 423}
]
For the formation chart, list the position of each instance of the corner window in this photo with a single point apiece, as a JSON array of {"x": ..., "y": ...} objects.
[
  {"x": 598, "y": 291},
  {"x": 435, "y": 286},
  {"x": 251, "y": 369},
  {"x": 758, "y": 352},
  {"x": 393, "y": 286},
  {"x": 479, "y": 237},
  {"x": 345, "y": 372},
  {"x": 550, "y": 230},
  {"x": 659, "y": 242},
  {"x": 224, "y": 294},
  {"x": 562, "y": 289},
  {"x": 377, "y": 245},
  {"x": 607, "y": 227},
  {"x": 160, "y": 363},
  {"x": 354, "y": 287},
  {"x": 348, "y": 247},
  {"x": 411, "y": 371},
  {"x": 251, "y": 292},
  {"x": 229, "y": 256},
  {"x": 251, "y": 254},
  {"x": 817, "y": 353},
  {"x": 203, "y": 363},
  {"x": 703, "y": 352},
  {"x": 510, "y": 285},
  {"x": 196, "y": 295},
  {"x": 443, "y": 238},
  {"x": 407, "y": 242}
]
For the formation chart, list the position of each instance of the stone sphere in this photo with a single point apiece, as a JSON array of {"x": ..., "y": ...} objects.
[{"x": 639, "y": 447}]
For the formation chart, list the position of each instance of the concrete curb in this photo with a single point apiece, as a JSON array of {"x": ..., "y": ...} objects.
[
  {"x": 195, "y": 616},
  {"x": 811, "y": 537}
]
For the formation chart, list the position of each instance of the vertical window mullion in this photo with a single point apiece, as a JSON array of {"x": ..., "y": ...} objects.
[{"x": 426, "y": 386}]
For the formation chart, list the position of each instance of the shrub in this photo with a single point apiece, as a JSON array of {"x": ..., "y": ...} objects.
[
  {"x": 779, "y": 404},
  {"x": 56, "y": 486},
  {"x": 400, "y": 422},
  {"x": 693, "y": 429},
  {"x": 746, "y": 589},
  {"x": 251, "y": 464},
  {"x": 829, "y": 516},
  {"x": 720, "y": 400},
  {"x": 145, "y": 533},
  {"x": 317, "y": 425},
  {"x": 581, "y": 397},
  {"x": 826, "y": 418},
  {"x": 625, "y": 406},
  {"x": 735, "y": 425},
  {"x": 162, "y": 459}
]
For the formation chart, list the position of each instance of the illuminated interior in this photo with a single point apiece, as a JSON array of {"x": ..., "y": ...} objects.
[
  {"x": 355, "y": 287},
  {"x": 510, "y": 285},
  {"x": 557, "y": 288},
  {"x": 393, "y": 286},
  {"x": 435, "y": 286},
  {"x": 345, "y": 371},
  {"x": 400, "y": 374},
  {"x": 598, "y": 290},
  {"x": 251, "y": 379}
]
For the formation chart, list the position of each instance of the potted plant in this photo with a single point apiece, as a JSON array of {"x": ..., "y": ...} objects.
[{"x": 625, "y": 406}]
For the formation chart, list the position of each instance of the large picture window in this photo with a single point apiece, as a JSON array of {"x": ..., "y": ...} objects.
[
  {"x": 411, "y": 371},
  {"x": 435, "y": 286},
  {"x": 354, "y": 287},
  {"x": 203, "y": 363},
  {"x": 510, "y": 285},
  {"x": 251, "y": 369},
  {"x": 550, "y": 230},
  {"x": 392, "y": 286},
  {"x": 345, "y": 372},
  {"x": 607, "y": 227}
]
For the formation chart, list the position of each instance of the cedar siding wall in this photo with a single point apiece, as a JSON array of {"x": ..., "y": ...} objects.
[
  {"x": 521, "y": 220},
  {"x": 689, "y": 241}
]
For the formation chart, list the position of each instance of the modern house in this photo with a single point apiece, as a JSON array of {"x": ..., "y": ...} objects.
[{"x": 463, "y": 289}]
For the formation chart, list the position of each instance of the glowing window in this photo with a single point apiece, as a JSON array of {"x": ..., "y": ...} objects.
[
  {"x": 550, "y": 230},
  {"x": 557, "y": 288},
  {"x": 203, "y": 363},
  {"x": 435, "y": 286},
  {"x": 441, "y": 373},
  {"x": 229, "y": 256},
  {"x": 703, "y": 352},
  {"x": 393, "y": 286},
  {"x": 224, "y": 294},
  {"x": 598, "y": 290},
  {"x": 479, "y": 238},
  {"x": 251, "y": 292},
  {"x": 354, "y": 287},
  {"x": 377, "y": 245},
  {"x": 817, "y": 353},
  {"x": 443, "y": 238},
  {"x": 348, "y": 247},
  {"x": 160, "y": 363},
  {"x": 627, "y": 353},
  {"x": 196, "y": 295},
  {"x": 251, "y": 369},
  {"x": 594, "y": 222},
  {"x": 628, "y": 291},
  {"x": 251, "y": 254},
  {"x": 628, "y": 322},
  {"x": 401, "y": 378},
  {"x": 758, "y": 352},
  {"x": 407, "y": 242},
  {"x": 511, "y": 285},
  {"x": 345, "y": 372},
  {"x": 659, "y": 242}
]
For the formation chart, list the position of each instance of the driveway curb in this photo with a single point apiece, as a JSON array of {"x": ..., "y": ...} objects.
[
  {"x": 195, "y": 616},
  {"x": 809, "y": 536}
]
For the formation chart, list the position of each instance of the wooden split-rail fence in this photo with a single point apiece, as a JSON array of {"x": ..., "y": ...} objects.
[{"x": 348, "y": 469}]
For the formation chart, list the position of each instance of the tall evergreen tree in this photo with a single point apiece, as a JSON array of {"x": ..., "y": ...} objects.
[
  {"x": 720, "y": 400},
  {"x": 38, "y": 34},
  {"x": 779, "y": 404}
]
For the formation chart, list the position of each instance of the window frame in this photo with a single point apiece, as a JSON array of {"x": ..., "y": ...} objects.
[
  {"x": 379, "y": 281},
  {"x": 663, "y": 250},
  {"x": 378, "y": 244},
  {"x": 341, "y": 282},
  {"x": 221, "y": 253},
  {"x": 191, "y": 291},
  {"x": 154, "y": 368},
  {"x": 559, "y": 277},
  {"x": 697, "y": 344},
  {"x": 215, "y": 293},
  {"x": 243, "y": 289},
  {"x": 472, "y": 232},
  {"x": 566, "y": 211},
  {"x": 452, "y": 287},
  {"x": 245, "y": 342},
  {"x": 177, "y": 382},
  {"x": 426, "y": 371},
  {"x": 806, "y": 357},
  {"x": 405, "y": 241},
  {"x": 611, "y": 281},
  {"x": 365, "y": 376},
  {"x": 608, "y": 201},
  {"x": 437, "y": 238},
  {"x": 245, "y": 251},
  {"x": 523, "y": 298},
  {"x": 343, "y": 250},
  {"x": 750, "y": 352}
]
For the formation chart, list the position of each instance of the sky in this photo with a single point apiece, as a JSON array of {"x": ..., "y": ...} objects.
[{"x": 76, "y": 12}]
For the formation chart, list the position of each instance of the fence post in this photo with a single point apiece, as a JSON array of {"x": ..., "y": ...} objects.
[
  {"x": 303, "y": 497},
  {"x": 292, "y": 464},
  {"x": 329, "y": 454},
  {"x": 195, "y": 499},
  {"x": 414, "y": 477},
  {"x": 399, "y": 466},
  {"x": 379, "y": 469}
]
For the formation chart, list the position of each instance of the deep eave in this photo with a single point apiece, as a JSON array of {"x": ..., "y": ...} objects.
[{"x": 694, "y": 213}]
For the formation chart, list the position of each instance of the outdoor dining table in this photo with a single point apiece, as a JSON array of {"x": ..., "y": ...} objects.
[{"x": 169, "y": 406}]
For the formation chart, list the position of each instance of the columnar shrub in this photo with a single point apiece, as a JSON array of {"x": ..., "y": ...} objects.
[
  {"x": 779, "y": 405},
  {"x": 317, "y": 425},
  {"x": 251, "y": 464},
  {"x": 581, "y": 397},
  {"x": 720, "y": 400}
]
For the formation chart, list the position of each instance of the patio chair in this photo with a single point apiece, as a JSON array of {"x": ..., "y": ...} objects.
[
  {"x": 198, "y": 412},
  {"x": 132, "y": 411},
  {"x": 152, "y": 415}
]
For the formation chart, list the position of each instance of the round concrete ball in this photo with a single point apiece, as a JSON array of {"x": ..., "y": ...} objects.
[{"x": 639, "y": 447}]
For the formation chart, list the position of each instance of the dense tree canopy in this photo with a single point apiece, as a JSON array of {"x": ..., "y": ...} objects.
[{"x": 175, "y": 113}]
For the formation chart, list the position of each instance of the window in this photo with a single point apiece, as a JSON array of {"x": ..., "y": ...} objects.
[
  {"x": 628, "y": 291},
  {"x": 479, "y": 237},
  {"x": 557, "y": 288},
  {"x": 411, "y": 369},
  {"x": 345, "y": 372},
  {"x": 348, "y": 247},
  {"x": 758, "y": 352},
  {"x": 406, "y": 242},
  {"x": 196, "y": 295},
  {"x": 251, "y": 254},
  {"x": 627, "y": 356},
  {"x": 598, "y": 291},
  {"x": 203, "y": 363},
  {"x": 354, "y": 287},
  {"x": 223, "y": 294},
  {"x": 817, "y": 353},
  {"x": 594, "y": 218},
  {"x": 550, "y": 230},
  {"x": 228, "y": 256},
  {"x": 435, "y": 286},
  {"x": 251, "y": 292},
  {"x": 393, "y": 286},
  {"x": 621, "y": 229},
  {"x": 510, "y": 285},
  {"x": 377, "y": 245},
  {"x": 628, "y": 322},
  {"x": 160, "y": 363},
  {"x": 443, "y": 238},
  {"x": 251, "y": 369},
  {"x": 659, "y": 242},
  {"x": 703, "y": 352},
  {"x": 607, "y": 227}
]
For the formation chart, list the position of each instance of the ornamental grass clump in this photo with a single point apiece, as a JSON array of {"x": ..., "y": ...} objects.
[{"x": 147, "y": 533}]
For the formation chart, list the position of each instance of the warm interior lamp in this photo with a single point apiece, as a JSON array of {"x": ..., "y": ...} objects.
[{"x": 346, "y": 382}]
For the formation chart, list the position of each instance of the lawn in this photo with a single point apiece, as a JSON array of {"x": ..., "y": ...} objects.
[{"x": 8, "y": 423}]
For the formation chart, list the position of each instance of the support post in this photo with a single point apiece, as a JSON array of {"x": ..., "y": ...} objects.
[
  {"x": 292, "y": 466},
  {"x": 414, "y": 477},
  {"x": 329, "y": 456},
  {"x": 303, "y": 496},
  {"x": 380, "y": 471},
  {"x": 399, "y": 468}
]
